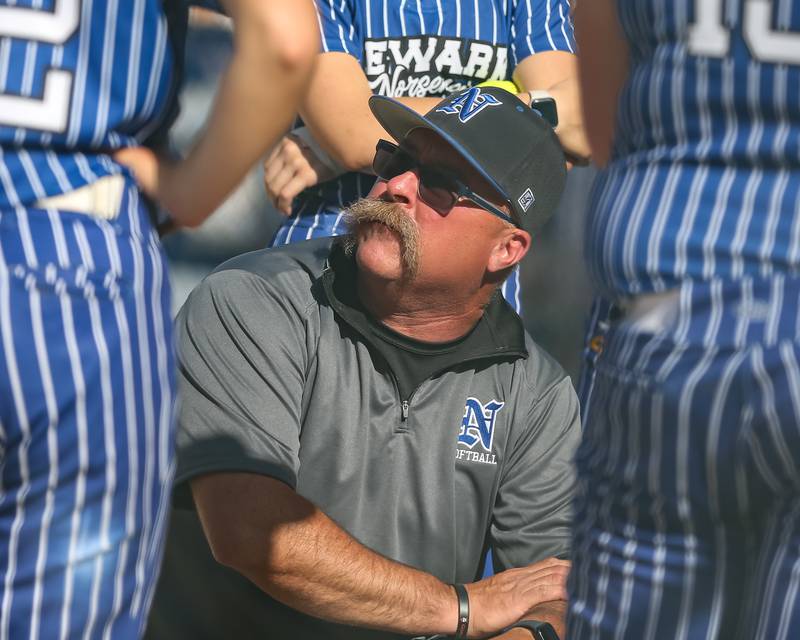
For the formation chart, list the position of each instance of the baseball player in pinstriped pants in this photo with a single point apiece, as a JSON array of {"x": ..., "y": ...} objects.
[
  {"x": 419, "y": 51},
  {"x": 87, "y": 384},
  {"x": 688, "y": 507}
]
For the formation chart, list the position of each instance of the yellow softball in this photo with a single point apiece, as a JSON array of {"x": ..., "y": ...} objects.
[{"x": 508, "y": 85}]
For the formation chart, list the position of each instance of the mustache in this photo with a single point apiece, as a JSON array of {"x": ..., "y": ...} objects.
[{"x": 391, "y": 215}]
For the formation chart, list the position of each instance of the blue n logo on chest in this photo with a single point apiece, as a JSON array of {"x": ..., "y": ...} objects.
[{"x": 478, "y": 423}]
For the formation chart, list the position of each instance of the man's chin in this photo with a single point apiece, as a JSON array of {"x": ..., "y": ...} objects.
[
  {"x": 379, "y": 255},
  {"x": 380, "y": 251}
]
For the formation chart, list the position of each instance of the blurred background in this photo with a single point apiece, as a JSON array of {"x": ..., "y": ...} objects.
[{"x": 556, "y": 293}]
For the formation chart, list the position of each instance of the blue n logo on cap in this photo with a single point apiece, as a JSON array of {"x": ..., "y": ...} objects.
[{"x": 470, "y": 104}]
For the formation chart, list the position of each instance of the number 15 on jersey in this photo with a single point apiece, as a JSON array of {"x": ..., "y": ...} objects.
[{"x": 709, "y": 36}]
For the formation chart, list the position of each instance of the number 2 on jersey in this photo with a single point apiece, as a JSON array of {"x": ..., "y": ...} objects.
[
  {"x": 50, "y": 111},
  {"x": 708, "y": 36}
]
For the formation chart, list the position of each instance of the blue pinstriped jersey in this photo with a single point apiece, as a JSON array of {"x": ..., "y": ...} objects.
[
  {"x": 705, "y": 174},
  {"x": 79, "y": 78},
  {"x": 419, "y": 48},
  {"x": 452, "y": 40}
]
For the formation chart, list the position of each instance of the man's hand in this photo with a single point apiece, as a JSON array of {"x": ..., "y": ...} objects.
[
  {"x": 509, "y": 596},
  {"x": 291, "y": 167}
]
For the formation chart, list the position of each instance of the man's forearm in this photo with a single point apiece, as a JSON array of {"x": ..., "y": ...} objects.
[
  {"x": 317, "y": 568},
  {"x": 301, "y": 557},
  {"x": 287, "y": 546}
]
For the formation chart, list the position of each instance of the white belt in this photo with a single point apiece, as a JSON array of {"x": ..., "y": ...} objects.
[
  {"x": 100, "y": 199},
  {"x": 651, "y": 312}
]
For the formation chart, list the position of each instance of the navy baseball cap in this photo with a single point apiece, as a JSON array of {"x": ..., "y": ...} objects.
[{"x": 509, "y": 144}]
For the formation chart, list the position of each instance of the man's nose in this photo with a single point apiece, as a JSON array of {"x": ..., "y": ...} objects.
[{"x": 403, "y": 188}]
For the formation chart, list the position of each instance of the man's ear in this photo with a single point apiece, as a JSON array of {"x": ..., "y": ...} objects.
[{"x": 511, "y": 247}]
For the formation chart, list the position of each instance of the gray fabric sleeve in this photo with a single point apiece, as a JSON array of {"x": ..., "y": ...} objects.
[
  {"x": 242, "y": 361},
  {"x": 532, "y": 514}
]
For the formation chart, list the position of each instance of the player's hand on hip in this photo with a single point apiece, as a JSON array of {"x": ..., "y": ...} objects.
[
  {"x": 145, "y": 166},
  {"x": 157, "y": 177},
  {"x": 291, "y": 167},
  {"x": 505, "y": 598}
]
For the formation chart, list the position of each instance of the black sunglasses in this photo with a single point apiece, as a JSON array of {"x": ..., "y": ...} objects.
[{"x": 438, "y": 189}]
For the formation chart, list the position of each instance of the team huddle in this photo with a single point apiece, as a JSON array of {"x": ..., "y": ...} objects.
[{"x": 351, "y": 434}]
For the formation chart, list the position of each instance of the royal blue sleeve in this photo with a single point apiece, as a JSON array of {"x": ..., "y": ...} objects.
[
  {"x": 541, "y": 25},
  {"x": 339, "y": 27}
]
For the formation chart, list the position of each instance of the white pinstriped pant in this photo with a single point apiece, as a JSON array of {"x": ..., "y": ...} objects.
[
  {"x": 687, "y": 521},
  {"x": 86, "y": 410}
]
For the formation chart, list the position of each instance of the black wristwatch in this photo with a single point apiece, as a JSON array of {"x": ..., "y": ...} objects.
[
  {"x": 545, "y": 105},
  {"x": 541, "y": 630}
]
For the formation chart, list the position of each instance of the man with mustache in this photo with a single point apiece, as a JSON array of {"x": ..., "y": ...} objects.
[{"x": 363, "y": 418}]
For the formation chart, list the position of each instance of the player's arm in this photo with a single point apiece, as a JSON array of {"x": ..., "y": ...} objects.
[
  {"x": 543, "y": 54},
  {"x": 603, "y": 66},
  {"x": 280, "y": 541},
  {"x": 275, "y": 44},
  {"x": 335, "y": 110},
  {"x": 557, "y": 73}
]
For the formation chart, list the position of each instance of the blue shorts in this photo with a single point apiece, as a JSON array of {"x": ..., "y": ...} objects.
[
  {"x": 687, "y": 519},
  {"x": 86, "y": 443}
]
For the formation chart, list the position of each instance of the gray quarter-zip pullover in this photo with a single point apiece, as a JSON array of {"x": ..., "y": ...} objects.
[{"x": 282, "y": 376}]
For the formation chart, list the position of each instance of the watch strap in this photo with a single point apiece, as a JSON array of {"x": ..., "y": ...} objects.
[
  {"x": 545, "y": 105},
  {"x": 541, "y": 630}
]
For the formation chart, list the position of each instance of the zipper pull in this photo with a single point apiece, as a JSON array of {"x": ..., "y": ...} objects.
[{"x": 405, "y": 410}]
